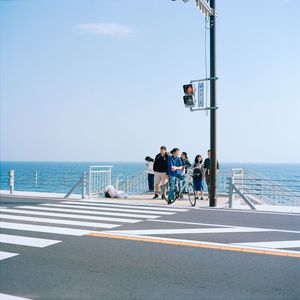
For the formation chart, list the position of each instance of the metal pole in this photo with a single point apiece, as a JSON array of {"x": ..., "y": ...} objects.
[
  {"x": 230, "y": 191},
  {"x": 213, "y": 112},
  {"x": 83, "y": 185},
  {"x": 90, "y": 183}
]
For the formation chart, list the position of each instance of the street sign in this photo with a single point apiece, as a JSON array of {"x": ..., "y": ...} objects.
[{"x": 200, "y": 94}]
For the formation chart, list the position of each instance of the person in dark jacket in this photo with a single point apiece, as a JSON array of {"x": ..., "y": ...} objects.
[
  {"x": 160, "y": 168},
  {"x": 206, "y": 167}
]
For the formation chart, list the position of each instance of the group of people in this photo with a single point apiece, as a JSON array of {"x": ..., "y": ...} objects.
[{"x": 166, "y": 167}]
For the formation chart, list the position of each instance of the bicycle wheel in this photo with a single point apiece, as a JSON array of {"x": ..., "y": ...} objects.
[{"x": 192, "y": 194}]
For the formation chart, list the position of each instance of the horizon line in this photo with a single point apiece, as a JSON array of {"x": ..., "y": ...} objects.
[{"x": 122, "y": 161}]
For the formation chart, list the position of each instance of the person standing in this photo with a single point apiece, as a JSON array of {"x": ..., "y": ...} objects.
[
  {"x": 160, "y": 168},
  {"x": 175, "y": 170},
  {"x": 185, "y": 161},
  {"x": 206, "y": 167},
  {"x": 198, "y": 174},
  {"x": 186, "y": 165},
  {"x": 150, "y": 172}
]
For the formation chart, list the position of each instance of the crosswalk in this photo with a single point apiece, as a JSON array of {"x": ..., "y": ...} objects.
[{"x": 69, "y": 218}]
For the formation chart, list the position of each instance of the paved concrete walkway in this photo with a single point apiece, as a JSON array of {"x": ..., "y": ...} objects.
[{"x": 222, "y": 201}]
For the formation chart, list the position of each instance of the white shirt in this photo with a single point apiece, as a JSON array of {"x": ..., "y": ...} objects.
[{"x": 149, "y": 167}]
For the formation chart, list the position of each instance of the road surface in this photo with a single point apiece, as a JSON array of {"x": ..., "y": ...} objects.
[{"x": 80, "y": 249}]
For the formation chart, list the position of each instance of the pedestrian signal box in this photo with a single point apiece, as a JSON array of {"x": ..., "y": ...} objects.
[{"x": 188, "y": 98}]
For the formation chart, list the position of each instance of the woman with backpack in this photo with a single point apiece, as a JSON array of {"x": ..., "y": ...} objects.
[{"x": 198, "y": 177}]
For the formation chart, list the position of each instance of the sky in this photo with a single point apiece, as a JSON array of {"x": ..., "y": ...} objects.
[{"x": 96, "y": 80}]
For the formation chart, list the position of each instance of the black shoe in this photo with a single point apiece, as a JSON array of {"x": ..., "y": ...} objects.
[
  {"x": 163, "y": 197},
  {"x": 155, "y": 196},
  {"x": 201, "y": 198}
]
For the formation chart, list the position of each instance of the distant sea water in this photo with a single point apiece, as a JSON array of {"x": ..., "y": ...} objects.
[{"x": 59, "y": 177}]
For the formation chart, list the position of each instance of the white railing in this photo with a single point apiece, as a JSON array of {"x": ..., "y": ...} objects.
[
  {"x": 99, "y": 178},
  {"x": 131, "y": 185},
  {"x": 259, "y": 190}
]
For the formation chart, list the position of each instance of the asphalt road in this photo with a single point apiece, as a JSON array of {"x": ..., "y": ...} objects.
[{"x": 124, "y": 267}]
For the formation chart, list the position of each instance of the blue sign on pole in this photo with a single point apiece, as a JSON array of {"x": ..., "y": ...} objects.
[{"x": 200, "y": 94}]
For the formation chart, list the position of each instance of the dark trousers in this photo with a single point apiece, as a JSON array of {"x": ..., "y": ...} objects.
[
  {"x": 207, "y": 181},
  {"x": 151, "y": 182}
]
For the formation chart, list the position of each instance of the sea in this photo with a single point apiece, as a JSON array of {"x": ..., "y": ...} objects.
[{"x": 59, "y": 177}]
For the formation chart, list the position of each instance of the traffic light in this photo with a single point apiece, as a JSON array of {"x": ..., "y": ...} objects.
[{"x": 188, "y": 98}]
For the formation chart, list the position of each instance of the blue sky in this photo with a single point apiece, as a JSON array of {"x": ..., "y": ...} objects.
[{"x": 92, "y": 80}]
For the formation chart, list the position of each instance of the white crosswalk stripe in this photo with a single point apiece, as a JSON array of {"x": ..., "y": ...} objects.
[
  {"x": 26, "y": 241},
  {"x": 74, "y": 218},
  {"x": 4, "y": 255},
  {"x": 56, "y": 221},
  {"x": 138, "y": 206},
  {"x": 45, "y": 229},
  {"x": 96, "y": 207},
  {"x": 91, "y": 212},
  {"x": 9, "y": 297}
]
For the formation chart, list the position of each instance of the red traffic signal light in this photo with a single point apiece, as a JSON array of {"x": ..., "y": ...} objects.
[
  {"x": 188, "y": 89},
  {"x": 188, "y": 98}
]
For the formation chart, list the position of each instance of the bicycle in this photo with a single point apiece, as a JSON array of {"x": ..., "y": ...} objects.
[{"x": 181, "y": 186}]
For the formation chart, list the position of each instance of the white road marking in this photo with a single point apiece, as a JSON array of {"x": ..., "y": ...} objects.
[
  {"x": 70, "y": 216},
  {"x": 124, "y": 205},
  {"x": 26, "y": 241},
  {"x": 91, "y": 212},
  {"x": 57, "y": 221},
  {"x": 190, "y": 223},
  {"x": 40, "y": 228},
  {"x": 9, "y": 297},
  {"x": 251, "y": 211},
  {"x": 162, "y": 239},
  {"x": 4, "y": 255},
  {"x": 188, "y": 231},
  {"x": 220, "y": 225},
  {"x": 96, "y": 207},
  {"x": 273, "y": 245}
]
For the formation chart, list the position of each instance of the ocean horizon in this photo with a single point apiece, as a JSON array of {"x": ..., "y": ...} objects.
[{"x": 60, "y": 176}]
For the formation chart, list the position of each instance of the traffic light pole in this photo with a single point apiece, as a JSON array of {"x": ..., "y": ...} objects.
[{"x": 213, "y": 112}]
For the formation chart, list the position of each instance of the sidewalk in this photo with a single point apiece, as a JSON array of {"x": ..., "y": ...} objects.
[{"x": 146, "y": 199}]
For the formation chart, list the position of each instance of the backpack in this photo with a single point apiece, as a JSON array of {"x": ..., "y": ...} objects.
[{"x": 197, "y": 173}]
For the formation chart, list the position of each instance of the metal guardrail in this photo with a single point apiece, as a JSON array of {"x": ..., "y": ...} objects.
[
  {"x": 256, "y": 189},
  {"x": 81, "y": 182},
  {"x": 252, "y": 187},
  {"x": 131, "y": 185}
]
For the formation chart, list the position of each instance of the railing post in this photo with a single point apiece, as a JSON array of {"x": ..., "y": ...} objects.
[
  {"x": 109, "y": 177},
  {"x": 230, "y": 191},
  {"x": 11, "y": 175},
  {"x": 83, "y": 185},
  {"x": 117, "y": 184},
  {"x": 90, "y": 183}
]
